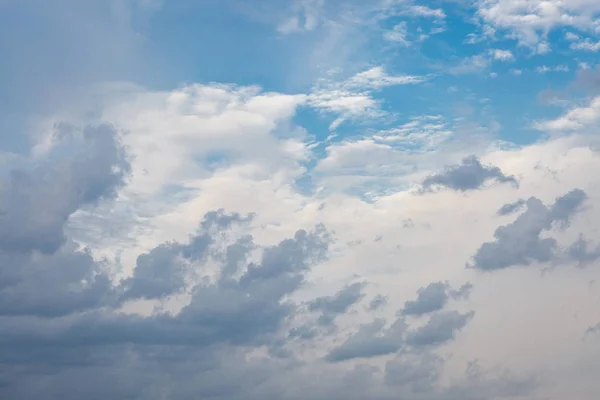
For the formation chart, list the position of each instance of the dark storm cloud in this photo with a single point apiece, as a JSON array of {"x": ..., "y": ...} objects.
[
  {"x": 469, "y": 175},
  {"x": 519, "y": 243}
]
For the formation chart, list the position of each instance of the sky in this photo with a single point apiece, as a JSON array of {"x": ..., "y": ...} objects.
[{"x": 299, "y": 199}]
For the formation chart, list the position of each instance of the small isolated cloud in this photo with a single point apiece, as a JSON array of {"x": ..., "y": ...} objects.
[
  {"x": 378, "y": 302},
  {"x": 339, "y": 303},
  {"x": 424, "y": 11},
  {"x": 432, "y": 298},
  {"x": 542, "y": 69},
  {"x": 581, "y": 253},
  {"x": 471, "y": 65},
  {"x": 502, "y": 55},
  {"x": 440, "y": 328},
  {"x": 510, "y": 208},
  {"x": 520, "y": 243},
  {"x": 471, "y": 174},
  {"x": 371, "y": 340}
]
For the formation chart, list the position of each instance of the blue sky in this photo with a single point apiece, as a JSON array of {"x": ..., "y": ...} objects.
[{"x": 299, "y": 199}]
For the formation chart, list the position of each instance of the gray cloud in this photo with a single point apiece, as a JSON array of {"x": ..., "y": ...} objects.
[
  {"x": 519, "y": 243},
  {"x": 371, "y": 340},
  {"x": 377, "y": 302},
  {"x": 511, "y": 207},
  {"x": 469, "y": 175},
  {"x": 418, "y": 372},
  {"x": 163, "y": 271},
  {"x": 43, "y": 272},
  {"x": 340, "y": 303},
  {"x": 433, "y": 297},
  {"x": 579, "y": 251},
  {"x": 440, "y": 328},
  {"x": 36, "y": 204}
]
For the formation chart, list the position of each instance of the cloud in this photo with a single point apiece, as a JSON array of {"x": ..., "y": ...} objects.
[
  {"x": 578, "y": 118},
  {"x": 579, "y": 251},
  {"x": 531, "y": 21},
  {"x": 432, "y": 298},
  {"x": 419, "y": 372},
  {"x": 163, "y": 271},
  {"x": 440, "y": 328},
  {"x": 469, "y": 175},
  {"x": 510, "y": 208},
  {"x": 470, "y": 65},
  {"x": 340, "y": 303},
  {"x": 542, "y": 69},
  {"x": 352, "y": 98},
  {"x": 36, "y": 204},
  {"x": 398, "y": 34},
  {"x": 371, "y": 340},
  {"x": 520, "y": 243},
  {"x": 587, "y": 45},
  {"x": 378, "y": 302},
  {"x": 502, "y": 55}
]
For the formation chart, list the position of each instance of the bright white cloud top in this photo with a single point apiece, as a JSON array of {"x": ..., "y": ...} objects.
[{"x": 303, "y": 199}]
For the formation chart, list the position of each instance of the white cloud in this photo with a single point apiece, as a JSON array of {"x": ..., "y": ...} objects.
[
  {"x": 398, "y": 242},
  {"x": 502, "y": 55},
  {"x": 424, "y": 11},
  {"x": 542, "y": 69},
  {"x": 470, "y": 65},
  {"x": 307, "y": 15},
  {"x": 352, "y": 98},
  {"x": 531, "y": 20},
  {"x": 398, "y": 34},
  {"x": 576, "y": 119},
  {"x": 586, "y": 45},
  {"x": 423, "y": 133}
]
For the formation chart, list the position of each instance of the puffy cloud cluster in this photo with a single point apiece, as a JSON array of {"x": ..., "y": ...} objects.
[{"x": 194, "y": 317}]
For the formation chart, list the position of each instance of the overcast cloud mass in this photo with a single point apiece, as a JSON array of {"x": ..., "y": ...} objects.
[{"x": 299, "y": 200}]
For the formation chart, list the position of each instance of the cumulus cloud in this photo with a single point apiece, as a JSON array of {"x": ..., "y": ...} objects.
[
  {"x": 471, "y": 174},
  {"x": 440, "y": 328},
  {"x": 36, "y": 203},
  {"x": 371, "y": 340},
  {"x": 521, "y": 243},
  {"x": 531, "y": 21},
  {"x": 510, "y": 208},
  {"x": 340, "y": 303},
  {"x": 433, "y": 297}
]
